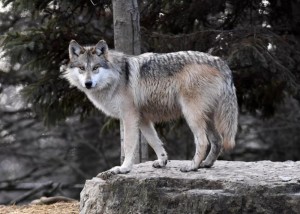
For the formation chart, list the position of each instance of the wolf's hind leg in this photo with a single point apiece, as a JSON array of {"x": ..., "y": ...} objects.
[
  {"x": 147, "y": 129},
  {"x": 195, "y": 117},
  {"x": 215, "y": 140}
]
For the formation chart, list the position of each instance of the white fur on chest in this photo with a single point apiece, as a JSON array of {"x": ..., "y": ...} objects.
[{"x": 110, "y": 105}]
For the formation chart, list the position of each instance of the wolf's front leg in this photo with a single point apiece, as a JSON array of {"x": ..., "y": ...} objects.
[
  {"x": 152, "y": 138},
  {"x": 131, "y": 136}
]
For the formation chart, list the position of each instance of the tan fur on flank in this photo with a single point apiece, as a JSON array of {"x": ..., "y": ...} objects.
[{"x": 149, "y": 88}]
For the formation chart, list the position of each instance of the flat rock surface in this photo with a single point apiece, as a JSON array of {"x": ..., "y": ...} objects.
[{"x": 227, "y": 187}]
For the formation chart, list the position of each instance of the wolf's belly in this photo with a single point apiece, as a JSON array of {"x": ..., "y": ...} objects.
[
  {"x": 160, "y": 113},
  {"x": 158, "y": 101}
]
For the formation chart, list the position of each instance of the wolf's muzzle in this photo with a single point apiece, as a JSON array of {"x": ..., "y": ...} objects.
[{"x": 88, "y": 84}]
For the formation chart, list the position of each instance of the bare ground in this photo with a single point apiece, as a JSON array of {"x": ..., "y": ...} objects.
[{"x": 57, "y": 208}]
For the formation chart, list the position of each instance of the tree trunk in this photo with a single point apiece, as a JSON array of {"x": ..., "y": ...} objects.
[
  {"x": 126, "y": 26},
  {"x": 127, "y": 40}
]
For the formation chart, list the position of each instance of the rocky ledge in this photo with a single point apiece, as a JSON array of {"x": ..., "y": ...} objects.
[{"x": 227, "y": 187}]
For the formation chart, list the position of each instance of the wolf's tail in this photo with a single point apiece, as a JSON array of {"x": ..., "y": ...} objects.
[{"x": 226, "y": 115}]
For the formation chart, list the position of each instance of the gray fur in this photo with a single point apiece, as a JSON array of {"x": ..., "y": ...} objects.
[{"x": 148, "y": 88}]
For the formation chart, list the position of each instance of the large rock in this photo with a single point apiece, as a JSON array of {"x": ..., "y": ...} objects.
[{"x": 227, "y": 187}]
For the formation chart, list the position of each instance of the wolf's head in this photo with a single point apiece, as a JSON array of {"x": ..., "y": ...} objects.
[{"x": 89, "y": 66}]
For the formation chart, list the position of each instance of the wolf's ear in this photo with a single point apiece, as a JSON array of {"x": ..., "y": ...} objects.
[
  {"x": 101, "y": 48},
  {"x": 75, "y": 49}
]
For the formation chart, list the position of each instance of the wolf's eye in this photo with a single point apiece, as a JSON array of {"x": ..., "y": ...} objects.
[
  {"x": 81, "y": 68},
  {"x": 95, "y": 68}
]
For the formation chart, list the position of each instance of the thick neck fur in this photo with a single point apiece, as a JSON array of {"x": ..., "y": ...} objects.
[
  {"x": 105, "y": 98},
  {"x": 108, "y": 99}
]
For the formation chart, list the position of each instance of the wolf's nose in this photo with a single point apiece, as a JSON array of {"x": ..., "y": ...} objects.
[{"x": 88, "y": 84}]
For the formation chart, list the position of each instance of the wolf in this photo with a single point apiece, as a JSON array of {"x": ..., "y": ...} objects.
[{"x": 149, "y": 88}]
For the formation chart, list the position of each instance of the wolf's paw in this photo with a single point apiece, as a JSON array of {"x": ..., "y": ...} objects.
[
  {"x": 113, "y": 171},
  {"x": 189, "y": 168},
  {"x": 120, "y": 170},
  {"x": 159, "y": 163},
  {"x": 206, "y": 164}
]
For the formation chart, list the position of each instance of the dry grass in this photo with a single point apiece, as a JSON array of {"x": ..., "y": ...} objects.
[{"x": 57, "y": 208}]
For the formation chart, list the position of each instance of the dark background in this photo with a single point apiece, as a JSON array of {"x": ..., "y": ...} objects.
[{"x": 49, "y": 131}]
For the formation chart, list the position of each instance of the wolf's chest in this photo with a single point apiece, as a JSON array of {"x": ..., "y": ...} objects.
[{"x": 110, "y": 105}]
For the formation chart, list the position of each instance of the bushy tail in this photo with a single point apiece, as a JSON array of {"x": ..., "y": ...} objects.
[{"x": 226, "y": 116}]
